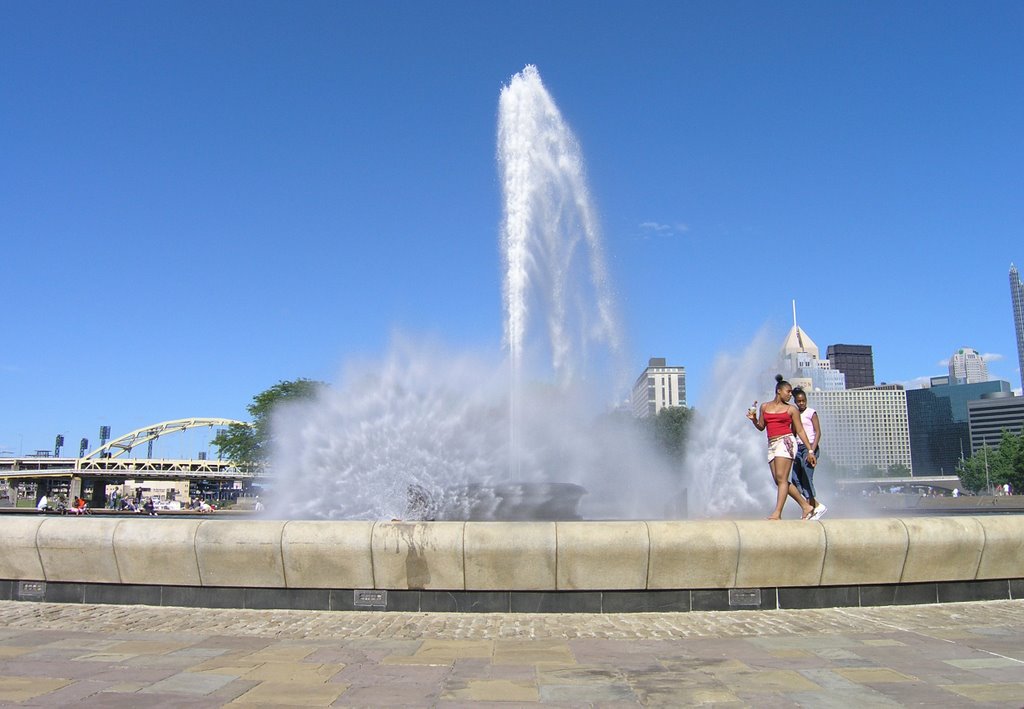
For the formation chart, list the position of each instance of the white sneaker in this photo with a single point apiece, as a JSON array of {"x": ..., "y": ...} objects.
[{"x": 819, "y": 512}]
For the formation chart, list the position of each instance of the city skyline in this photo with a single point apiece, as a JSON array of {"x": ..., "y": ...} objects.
[{"x": 205, "y": 200}]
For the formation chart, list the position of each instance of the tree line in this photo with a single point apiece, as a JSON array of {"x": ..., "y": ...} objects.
[{"x": 1004, "y": 463}]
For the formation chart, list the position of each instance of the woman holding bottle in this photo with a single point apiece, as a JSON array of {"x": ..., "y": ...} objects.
[{"x": 781, "y": 420}]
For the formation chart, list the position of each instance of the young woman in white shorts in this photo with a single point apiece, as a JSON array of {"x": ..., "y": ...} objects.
[{"x": 782, "y": 422}]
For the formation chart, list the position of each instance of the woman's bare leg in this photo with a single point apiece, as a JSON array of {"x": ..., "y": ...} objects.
[
  {"x": 806, "y": 506},
  {"x": 781, "y": 468},
  {"x": 780, "y": 475}
]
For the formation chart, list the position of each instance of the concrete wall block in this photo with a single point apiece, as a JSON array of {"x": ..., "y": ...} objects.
[
  {"x": 1003, "y": 555},
  {"x": 418, "y": 555},
  {"x": 780, "y": 553},
  {"x": 699, "y": 554},
  {"x": 864, "y": 551},
  {"x": 510, "y": 556},
  {"x": 328, "y": 554},
  {"x": 19, "y": 557},
  {"x": 943, "y": 549},
  {"x": 162, "y": 551},
  {"x": 78, "y": 549},
  {"x": 240, "y": 553},
  {"x": 602, "y": 555}
]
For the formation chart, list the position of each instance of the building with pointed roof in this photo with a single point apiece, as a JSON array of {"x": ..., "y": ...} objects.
[
  {"x": 801, "y": 358},
  {"x": 861, "y": 428}
]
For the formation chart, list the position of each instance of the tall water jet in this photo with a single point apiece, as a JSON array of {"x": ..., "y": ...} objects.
[
  {"x": 549, "y": 219},
  {"x": 426, "y": 433}
]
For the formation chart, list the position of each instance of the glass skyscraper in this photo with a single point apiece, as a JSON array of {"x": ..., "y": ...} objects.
[
  {"x": 1017, "y": 297},
  {"x": 939, "y": 423}
]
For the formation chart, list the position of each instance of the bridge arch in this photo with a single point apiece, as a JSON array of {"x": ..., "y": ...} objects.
[{"x": 124, "y": 444}]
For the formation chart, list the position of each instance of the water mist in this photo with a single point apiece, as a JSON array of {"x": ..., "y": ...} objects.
[
  {"x": 726, "y": 465},
  {"x": 423, "y": 432}
]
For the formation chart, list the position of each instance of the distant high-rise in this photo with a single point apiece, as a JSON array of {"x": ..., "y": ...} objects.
[
  {"x": 856, "y": 362},
  {"x": 938, "y": 420},
  {"x": 992, "y": 416},
  {"x": 966, "y": 366},
  {"x": 1017, "y": 298},
  {"x": 864, "y": 427},
  {"x": 801, "y": 363},
  {"x": 659, "y": 386}
]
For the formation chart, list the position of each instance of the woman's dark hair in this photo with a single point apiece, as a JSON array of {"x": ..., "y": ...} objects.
[
  {"x": 780, "y": 382},
  {"x": 799, "y": 390}
]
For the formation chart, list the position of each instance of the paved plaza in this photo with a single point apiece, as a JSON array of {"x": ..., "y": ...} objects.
[{"x": 964, "y": 654}]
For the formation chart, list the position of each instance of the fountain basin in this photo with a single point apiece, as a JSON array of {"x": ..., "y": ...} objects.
[{"x": 502, "y": 566}]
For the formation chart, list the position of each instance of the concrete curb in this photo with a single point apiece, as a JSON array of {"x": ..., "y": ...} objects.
[{"x": 511, "y": 556}]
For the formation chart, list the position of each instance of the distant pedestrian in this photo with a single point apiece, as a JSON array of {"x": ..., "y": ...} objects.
[
  {"x": 43, "y": 504},
  {"x": 782, "y": 422},
  {"x": 803, "y": 471}
]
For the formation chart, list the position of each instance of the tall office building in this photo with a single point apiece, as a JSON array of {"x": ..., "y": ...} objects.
[
  {"x": 1017, "y": 298},
  {"x": 938, "y": 418},
  {"x": 993, "y": 414},
  {"x": 659, "y": 386},
  {"x": 804, "y": 368},
  {"x": 967, "y": 367},
  {"x": 856, "y": 362},
  {"x": 864, "y": 427}
]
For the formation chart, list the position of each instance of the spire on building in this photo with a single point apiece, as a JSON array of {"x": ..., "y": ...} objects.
[
  {"x": 798, "y": 341},
  {"x": 800, "y": 359}
]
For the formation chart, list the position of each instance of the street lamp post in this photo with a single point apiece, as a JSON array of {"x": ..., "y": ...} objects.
[{"x": 988, "y": 484}]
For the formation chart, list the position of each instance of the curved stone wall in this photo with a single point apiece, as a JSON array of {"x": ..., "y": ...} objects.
[{"x": 511, "y": 556}]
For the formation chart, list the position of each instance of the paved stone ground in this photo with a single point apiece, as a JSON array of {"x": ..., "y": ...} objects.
[{"x": 966, "y": 654}]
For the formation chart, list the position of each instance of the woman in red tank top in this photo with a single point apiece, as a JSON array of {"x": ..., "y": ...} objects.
[{"x": 782, "y": 421}]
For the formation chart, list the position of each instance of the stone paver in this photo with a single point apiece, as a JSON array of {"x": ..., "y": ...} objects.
[{"x": 112, "y": 656}]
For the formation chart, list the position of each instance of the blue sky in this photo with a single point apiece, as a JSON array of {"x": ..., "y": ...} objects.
[{"x": 198, "y": 200}]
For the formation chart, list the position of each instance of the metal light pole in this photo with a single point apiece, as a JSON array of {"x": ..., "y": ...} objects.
[{"x": 988, "y": 485}]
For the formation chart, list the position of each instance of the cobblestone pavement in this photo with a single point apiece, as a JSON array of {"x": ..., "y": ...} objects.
[{"x": 966, "y": 654}]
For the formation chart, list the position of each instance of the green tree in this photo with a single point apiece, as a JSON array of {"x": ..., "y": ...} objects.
[
  {"x": 867, "y": 471},
  {"x": 1005, "y": 464},
  {"x": 972, "y": 470},
  {"x": 247, "y": 443},
  {"x": 669, "y": 429},
  {"x": 898, "y": 470}
]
